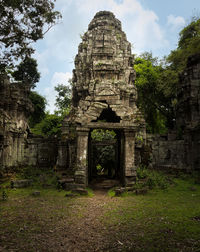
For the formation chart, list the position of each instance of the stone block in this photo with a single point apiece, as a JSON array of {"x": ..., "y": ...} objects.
[
  {"x": 80, "y": 191},
  {"x": 141, "y": 191},
  {"x": 36, "y": 194},
  {"x": 21, "y": 183}
]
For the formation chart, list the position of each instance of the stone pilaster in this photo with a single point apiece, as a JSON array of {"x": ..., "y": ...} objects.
[
  {"x": 81, "y": 173},
  {"x": 129, "y": 157}
]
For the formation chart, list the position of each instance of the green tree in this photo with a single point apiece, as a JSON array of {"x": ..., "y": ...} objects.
[
  {"x": 188, "y": 44},
  {"x": 50, "y": 126},
  {"x": 39, "y": 104},
  {"x": 21, "y": 23},
  {"x": 156, "y": 92},
  {"x": 27, "y": 72},
  {"x": 63, "y": 98}
]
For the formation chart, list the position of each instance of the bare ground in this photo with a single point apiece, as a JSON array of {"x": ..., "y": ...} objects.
[
  {"x": 80, "y": 229},
  {"x": 54, "y": 223}
]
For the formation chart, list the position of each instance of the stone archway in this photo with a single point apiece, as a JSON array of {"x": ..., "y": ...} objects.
[
  {"x": 104, "y": 97},
  {"x": 103, "y": 160}
]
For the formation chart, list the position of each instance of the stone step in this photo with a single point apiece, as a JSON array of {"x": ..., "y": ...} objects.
[
  {"x": 20, "y": 183},
  {"x": 72, "y": 186},
  {"x": 66, "y": 180}
]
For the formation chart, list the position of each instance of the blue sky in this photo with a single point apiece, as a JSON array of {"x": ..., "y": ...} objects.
[{"x": 150, "y": 25}]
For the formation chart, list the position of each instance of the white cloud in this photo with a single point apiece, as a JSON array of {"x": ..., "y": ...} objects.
[
  {"x": 141, "y": 25},
  {"x": 60, "y": 45},
  {"x": 50, "y": 93},
  {"x": 60, "y": 78},
  {"x": 175, "y": 22}
]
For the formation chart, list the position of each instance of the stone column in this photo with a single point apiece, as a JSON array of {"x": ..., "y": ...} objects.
[
  {"x": 81, "y": 173},
  {"x": 63, "y": 149},
  {"x": 129, "y": 157}
]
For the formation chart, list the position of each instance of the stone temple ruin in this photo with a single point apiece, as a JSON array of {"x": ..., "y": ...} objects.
[{"x": 104, "y": 97}]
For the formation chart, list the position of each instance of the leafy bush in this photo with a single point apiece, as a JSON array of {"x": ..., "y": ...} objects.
[
  {"x": 142, "y": 172},
  {"x": 49, "y": 126},
  {"x": 101, "y": 134},
  {"x": 152, "y": 179}
]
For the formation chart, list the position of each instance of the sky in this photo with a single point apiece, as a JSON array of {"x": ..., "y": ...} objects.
[{"x": 150, "y": 25}]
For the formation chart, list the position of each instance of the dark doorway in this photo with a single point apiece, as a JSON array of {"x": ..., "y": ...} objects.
[{"x": 104, "y": 156}]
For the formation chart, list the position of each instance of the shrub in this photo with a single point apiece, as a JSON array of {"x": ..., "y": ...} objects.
[{"x": 152, "y": 178}]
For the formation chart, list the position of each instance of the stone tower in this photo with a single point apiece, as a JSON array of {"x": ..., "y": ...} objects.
[{"x": 104, "y": 97}]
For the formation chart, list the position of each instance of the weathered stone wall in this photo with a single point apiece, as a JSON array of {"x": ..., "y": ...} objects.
[
  {"x": 168, "y": 151},
  {"x": 14, "y": 111},
  {"x": 168, "y": 154},
  {"x": 40, "y": 152},
  {"x": 17, "y": 146},
  {"x": 188, "y": 95}
]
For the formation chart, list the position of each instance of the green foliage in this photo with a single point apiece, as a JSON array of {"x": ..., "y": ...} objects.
[
  {"x": 157, "y": 81},
  {"x": 111, "y": 193},
  {"x": 27, "y": 72},
  {"x": 99, "y": 167},
  {"x": 39, "y": 104},
  {"x": 39, "y": 177},
  {"x": 188, "y": 44},
  {"x": 142, "y": 172},
  {"x": 49, "y": 126},
  {"x": 139, "y": 139},
  {"x": 157, "y": 180},
  {"x": 152, "y": 179},
  {"x": 4, "y": 195},
  {"x": 64, "y": 97},
  {"x": 21, "y": 23},
  {"x": 104, "y": 160},
  {"x": 101, "y": 134},
  {"x": 155, "y": 85},
  {"x": 164, "y": 219},
  {"x": 105, "y": 154},
  {"x": 90, "y": 192}
]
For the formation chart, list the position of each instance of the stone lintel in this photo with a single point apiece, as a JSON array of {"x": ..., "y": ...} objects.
[
  {"x": 104, "y": 125},
  {"x": 82, "y": 130},
  {"x": 129, "y": 132}
]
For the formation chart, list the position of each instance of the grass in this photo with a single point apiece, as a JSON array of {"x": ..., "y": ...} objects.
[
  {"x": 90, "y": 192},
  {"x": 162, "y": 220},
  {"x": 111, "y": 193}
]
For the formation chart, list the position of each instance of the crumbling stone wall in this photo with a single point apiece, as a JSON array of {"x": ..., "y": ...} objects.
[
  {"x": 188, "y": 113},
  {"x": 17, "y": 146},
  {"x": 181, "y": 149},
  {"x": 168, "y": 154},
  {"x": 40, "y": 152},
  {"x": 14, "y": 111}
]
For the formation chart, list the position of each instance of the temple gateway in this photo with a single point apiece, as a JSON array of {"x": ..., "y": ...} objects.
[{"x": 104, "y": 97}]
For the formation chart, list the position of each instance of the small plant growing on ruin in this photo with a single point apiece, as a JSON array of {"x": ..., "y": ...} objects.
[
  {"x": 84, "y": 45},
  {"x": 139, "y": 139},
  {"x": 99, "y": 64},
  {"x": 4, "y": 195},
  {"x": 118, "y": 36}
]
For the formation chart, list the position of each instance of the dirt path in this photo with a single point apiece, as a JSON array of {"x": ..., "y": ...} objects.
[
  {"x": 52, "y": 224},
  {"x": 159, "y": 221},
  {"x": 88, "y": 232}
]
